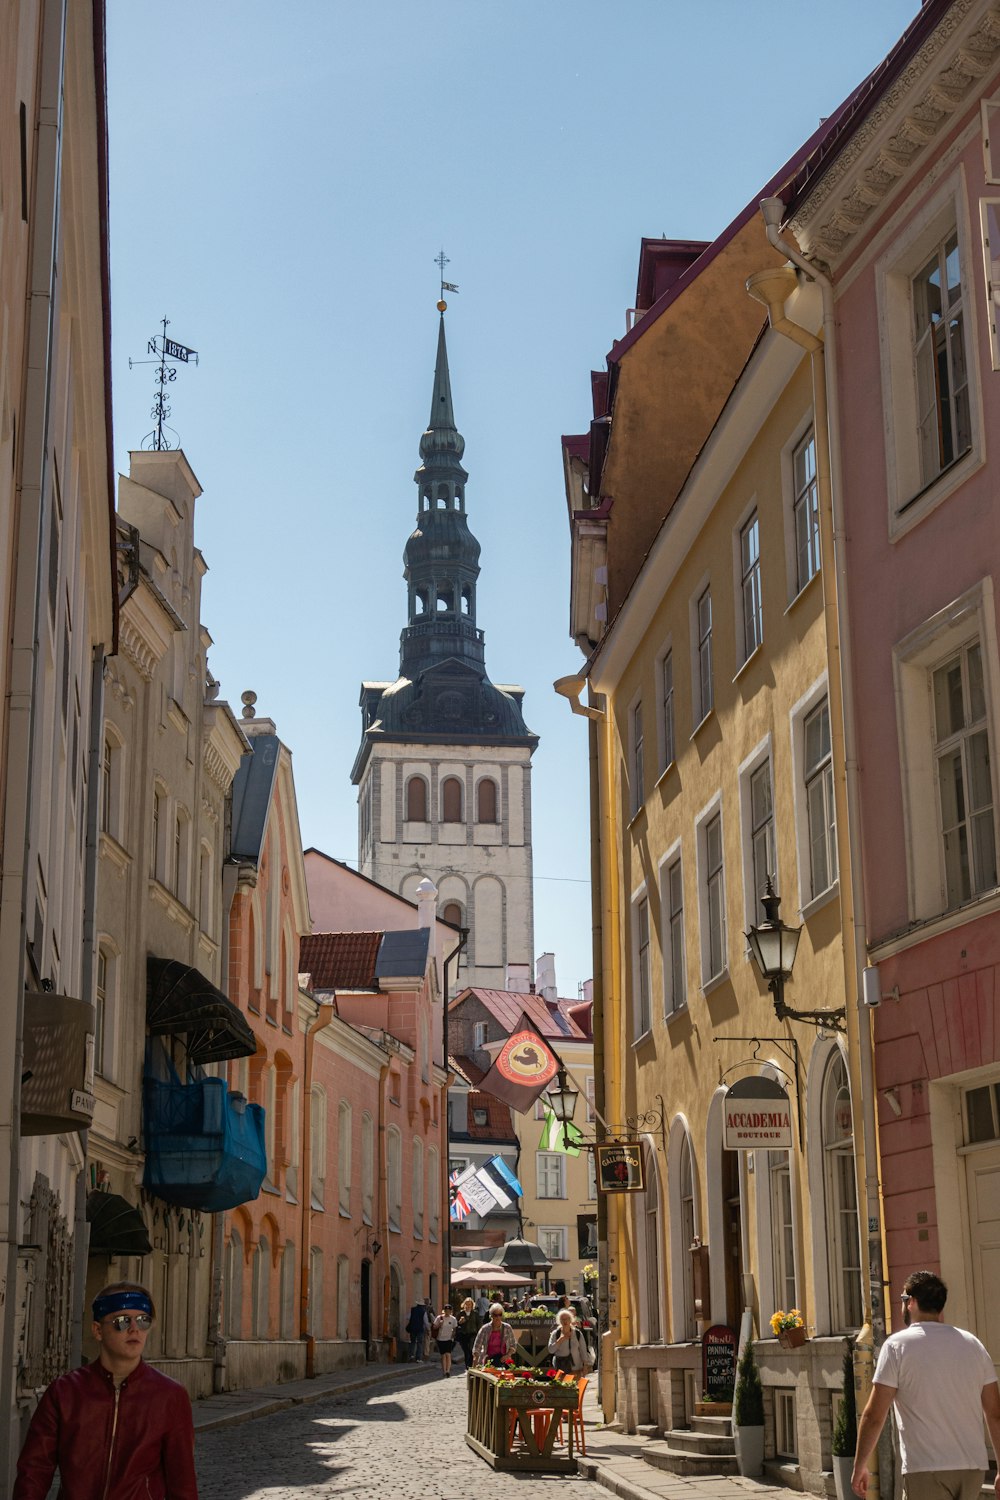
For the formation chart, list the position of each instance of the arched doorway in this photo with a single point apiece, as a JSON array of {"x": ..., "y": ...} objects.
[
  {"x": 732, "y": 1242},
  {"x": 654, "y": 1277},
  {"x": 366, "y": 1303}
]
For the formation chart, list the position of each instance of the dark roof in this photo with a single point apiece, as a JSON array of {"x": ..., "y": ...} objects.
[
  {"x": 253, "y": 786},
  {"x": 842, "y": 125},
  {"x": 552, "y": 1021},
  {"x": 340, "y": 960},
  {"x": 403, "y": 954}
]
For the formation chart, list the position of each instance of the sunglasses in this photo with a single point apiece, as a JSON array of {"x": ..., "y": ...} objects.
[
  {"x": 121, "y": 1321},
  {"x": 906, "y": 1296}
]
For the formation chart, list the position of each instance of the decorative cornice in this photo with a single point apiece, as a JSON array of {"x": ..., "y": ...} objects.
[
  {"x": 910, "y": 115},
  {"x": 136, "y": 649},
  {"x": 217, "y": 768}
]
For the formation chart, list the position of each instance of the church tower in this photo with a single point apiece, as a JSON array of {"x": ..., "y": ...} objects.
[{"x": 444, "y": 769}]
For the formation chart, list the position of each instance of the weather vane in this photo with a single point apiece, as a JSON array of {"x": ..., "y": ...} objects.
[
  {"x": 441, "y": 261},
  {"x": 164, "y": 351}
]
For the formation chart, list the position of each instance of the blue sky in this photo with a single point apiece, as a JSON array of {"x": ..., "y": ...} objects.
[{"x": 281, "y": 181}]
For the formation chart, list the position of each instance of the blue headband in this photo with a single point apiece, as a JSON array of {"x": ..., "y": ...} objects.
[{"x": 113, "y": 1302}]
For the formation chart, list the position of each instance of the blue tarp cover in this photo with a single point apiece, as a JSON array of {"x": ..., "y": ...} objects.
[{"x": 204, "y": 1146}]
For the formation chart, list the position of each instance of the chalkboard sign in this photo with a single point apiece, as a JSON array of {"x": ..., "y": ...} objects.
[{"x": 718, "y": 1362}]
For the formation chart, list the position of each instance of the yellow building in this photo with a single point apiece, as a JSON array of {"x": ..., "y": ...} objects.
[{"x": 716, "y": 722}]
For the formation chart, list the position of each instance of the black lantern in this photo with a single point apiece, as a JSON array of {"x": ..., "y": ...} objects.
[{"x": 774, "y": 946}]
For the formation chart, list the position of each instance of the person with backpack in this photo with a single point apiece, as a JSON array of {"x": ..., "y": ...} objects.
[
  {"x": 443, "y": 1329},
  {"x": 417, "y": 1327},
  {"x": 567, "y": 1345}
]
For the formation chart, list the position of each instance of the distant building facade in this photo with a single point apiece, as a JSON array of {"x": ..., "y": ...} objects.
[{"x": 444, "y": 768}]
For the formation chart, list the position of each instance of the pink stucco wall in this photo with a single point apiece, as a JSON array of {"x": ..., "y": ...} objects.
[{"x": 947, "y": 1018}]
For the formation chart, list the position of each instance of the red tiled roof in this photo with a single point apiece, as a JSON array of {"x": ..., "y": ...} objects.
[
  {"x": 499, "y": 1124},
  {"x": 340, "y": 960},
  {"x": 507, "y": 1007}
]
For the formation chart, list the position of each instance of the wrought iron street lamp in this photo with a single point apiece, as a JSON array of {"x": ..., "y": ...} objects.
[
  {"x": 774, "y": 945},
  {"x": 562, "y": 1101}
]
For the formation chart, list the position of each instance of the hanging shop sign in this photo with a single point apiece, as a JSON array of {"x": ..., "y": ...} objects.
[
  {"x": 620, "y": 1167},
  {"x": 757, "y": 1115}
]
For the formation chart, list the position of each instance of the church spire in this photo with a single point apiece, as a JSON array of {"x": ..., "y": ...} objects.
[{"x": 442, "y": 445}]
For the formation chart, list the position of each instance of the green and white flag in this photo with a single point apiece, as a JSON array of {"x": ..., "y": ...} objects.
[{"x": 555, "y": 1135}]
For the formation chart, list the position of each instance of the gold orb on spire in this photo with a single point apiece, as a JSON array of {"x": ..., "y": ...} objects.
[{"x": 442, "y": 306}]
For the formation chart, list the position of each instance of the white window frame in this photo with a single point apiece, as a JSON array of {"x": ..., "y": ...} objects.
[
  {"x": 799, "y": 434},
  {"x": 785, "y": 1431},
  {"x": 344, "y": 1159},
  {"x": 480, "y": 1035},
  {"x": 798, "y": 714},
  {"x": 703, "y": 822},
  {"x": 558, "y": 1234},
  {"x": 591, "y": 1176},
  {"x": 394, "y": 1179},
  {"x": 105, "y": 1047},
  {"x": 783, "y": 1271},
  {"x": 971, "y": 616},
  {"x": 820, "y": 776},
  {"x": 989, "y": 231},
  {"x": 672, "y": 1001},
  {"x": 641, "y": 977},
  {"x": 636, "y": 765},
  {"x": 367, "y": 1167},
  {"x": 666, "y": 684},
  {"x": 702, "y": 654},
  {"x": 417, "y": 1186},
  {"x": 988, "y": 108},
  {"x": 760, "y": 755},
  {"x": 747, "y": 588},
  {"x": 549, "y": 1164},
  {"x": 433, "y": 1194},
  {"x": 911, "y": 494},
  {"x": 839, "y": 1153}
]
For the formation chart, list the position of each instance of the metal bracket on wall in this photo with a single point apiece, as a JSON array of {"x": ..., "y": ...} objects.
[{"x": 787, "y": 1046}]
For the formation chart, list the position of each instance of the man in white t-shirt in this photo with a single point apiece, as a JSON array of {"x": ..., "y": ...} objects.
[{"x": 943, "y": 1383}]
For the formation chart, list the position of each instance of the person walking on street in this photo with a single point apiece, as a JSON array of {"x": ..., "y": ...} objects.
[
  {"x": 444, "y": 1330},
  {"x": 116, "y": 1428},
  {"x": 567, "y": 1345},
  {"x": 941, "y": 1382},
  {"x": 417, "y": 1327},
  {"x": 495, "y": 1341},
  {"x": 468, "y": 1327}
]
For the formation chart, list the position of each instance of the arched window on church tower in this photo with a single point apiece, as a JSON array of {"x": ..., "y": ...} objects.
[
  {"x": 486, "y": 801},
  {"x": 452, "y": 913},
  {"x": 416, "y": 800},
  {"x": 451, "y": 800}
]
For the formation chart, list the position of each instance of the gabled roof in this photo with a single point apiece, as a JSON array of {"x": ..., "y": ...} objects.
[
  {"x": 551, "y": 1021},
  {"x": 253, "y": 788},
  {"x": 341, "y": 960},
  {"x": 360, "y": 960}
]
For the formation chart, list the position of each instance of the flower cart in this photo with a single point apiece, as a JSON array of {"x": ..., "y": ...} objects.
[{"x": 514, "y": 1416}]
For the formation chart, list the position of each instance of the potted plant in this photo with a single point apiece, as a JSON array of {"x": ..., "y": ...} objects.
[
  {"x": 748, "y": 1416},
  {"x": 789, "y": 1327},
  {"x": 845, "y": 1431}
]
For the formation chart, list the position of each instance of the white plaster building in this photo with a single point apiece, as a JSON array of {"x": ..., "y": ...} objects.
[{"x": 444, "y": 768}]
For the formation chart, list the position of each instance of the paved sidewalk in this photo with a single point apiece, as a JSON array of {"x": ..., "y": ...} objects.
[{"x": 613, "y": 1460}]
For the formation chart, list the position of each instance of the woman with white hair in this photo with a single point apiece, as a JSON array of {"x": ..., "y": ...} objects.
[
  {"x": 567, "y": 1346},
  {"x": 495, "y": 1341}
]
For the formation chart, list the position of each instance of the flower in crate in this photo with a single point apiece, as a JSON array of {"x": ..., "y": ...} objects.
[{"x": 781, "y": 1321}]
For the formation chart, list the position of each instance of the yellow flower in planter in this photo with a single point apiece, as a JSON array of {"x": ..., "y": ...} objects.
[{"x": 782, "y": 1321}]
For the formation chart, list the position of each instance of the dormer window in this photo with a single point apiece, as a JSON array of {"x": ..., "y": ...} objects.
[{"x": 479, "y": 1116}]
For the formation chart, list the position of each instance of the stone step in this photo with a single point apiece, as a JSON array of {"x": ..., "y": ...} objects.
[
  {"x": 685, "y": 1441},
  {"x": 691, "y": 1465},
  {"x": 717, "y": 1426}
]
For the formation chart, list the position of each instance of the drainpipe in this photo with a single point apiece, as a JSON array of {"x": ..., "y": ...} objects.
[
  {"x": 383, "y": 1201},
  {"x": 446, "y": 1276},
  {"x": 324, "y": 1015},
  {"x": 81, "y": 1229},
  {"x": 826, "y": 391},
  {"x": 22, "y": 659}
]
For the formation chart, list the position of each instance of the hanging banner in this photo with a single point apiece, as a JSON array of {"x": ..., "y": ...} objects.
[
  {"x": 620, "y": 1167},
  {"x": 757, "y": 1116},
  {"x": 524, "y": 1066}
]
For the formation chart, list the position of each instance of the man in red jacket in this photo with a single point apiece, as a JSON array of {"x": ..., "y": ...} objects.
[{"x": 116, "y": 1429}]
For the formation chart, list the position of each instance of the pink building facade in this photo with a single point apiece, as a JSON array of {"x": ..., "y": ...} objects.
[{"x": 904, "y": 210}]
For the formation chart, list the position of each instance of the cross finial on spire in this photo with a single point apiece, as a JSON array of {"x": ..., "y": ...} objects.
[{"x": 441, "y": 260}]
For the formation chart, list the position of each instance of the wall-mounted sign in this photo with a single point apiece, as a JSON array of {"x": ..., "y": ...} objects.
[
  {"x": 620, "y": 1167},
  {"x": 757, "y": 1116},
  {"x": 718, "y": 1362}
]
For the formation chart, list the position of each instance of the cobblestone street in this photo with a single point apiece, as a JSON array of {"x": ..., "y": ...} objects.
[{"x": 402, "y": 1440}]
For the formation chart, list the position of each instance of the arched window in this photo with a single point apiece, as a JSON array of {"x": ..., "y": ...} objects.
[
  {"x": 486, "y": 801},
  {"x": 343, "y": 1294},
  {"x": 344, "y": 1158},
  {"x": 206, "y": 890},
  {"x": 452, "y": 912},
  {"x": 652, "y": 1249},
  {"x": 234, "y": 1284},
  {"x": 260, "y": 1326},
  {"x": 417, "y": 1184},
  {"x": 416, "y": 800},
  {"x": 316, "y": 1292},
  {"x": 843, "y": 1243},
  {"x": 317, "y": 1144},
  {"x": 687, "y": 1236},
  {"x": 367, "y": 1167},
  {"x": 433, "y": 1194},
  {"x": 451, "y": 800},
  {"x": 288, "y": 1291},
  {"x": 394, "y": 1175}
]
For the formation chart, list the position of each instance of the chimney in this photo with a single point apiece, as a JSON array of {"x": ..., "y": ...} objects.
[
  {"x": 545, "y": 976},
  {"x": 518, "y": 978},
  {"x": 426, "y": 894}
]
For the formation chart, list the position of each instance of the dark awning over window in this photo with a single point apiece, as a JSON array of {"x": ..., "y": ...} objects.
[
  {"x": 116, "y": 1228},
  {"x": 182, "y": 1002}
]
